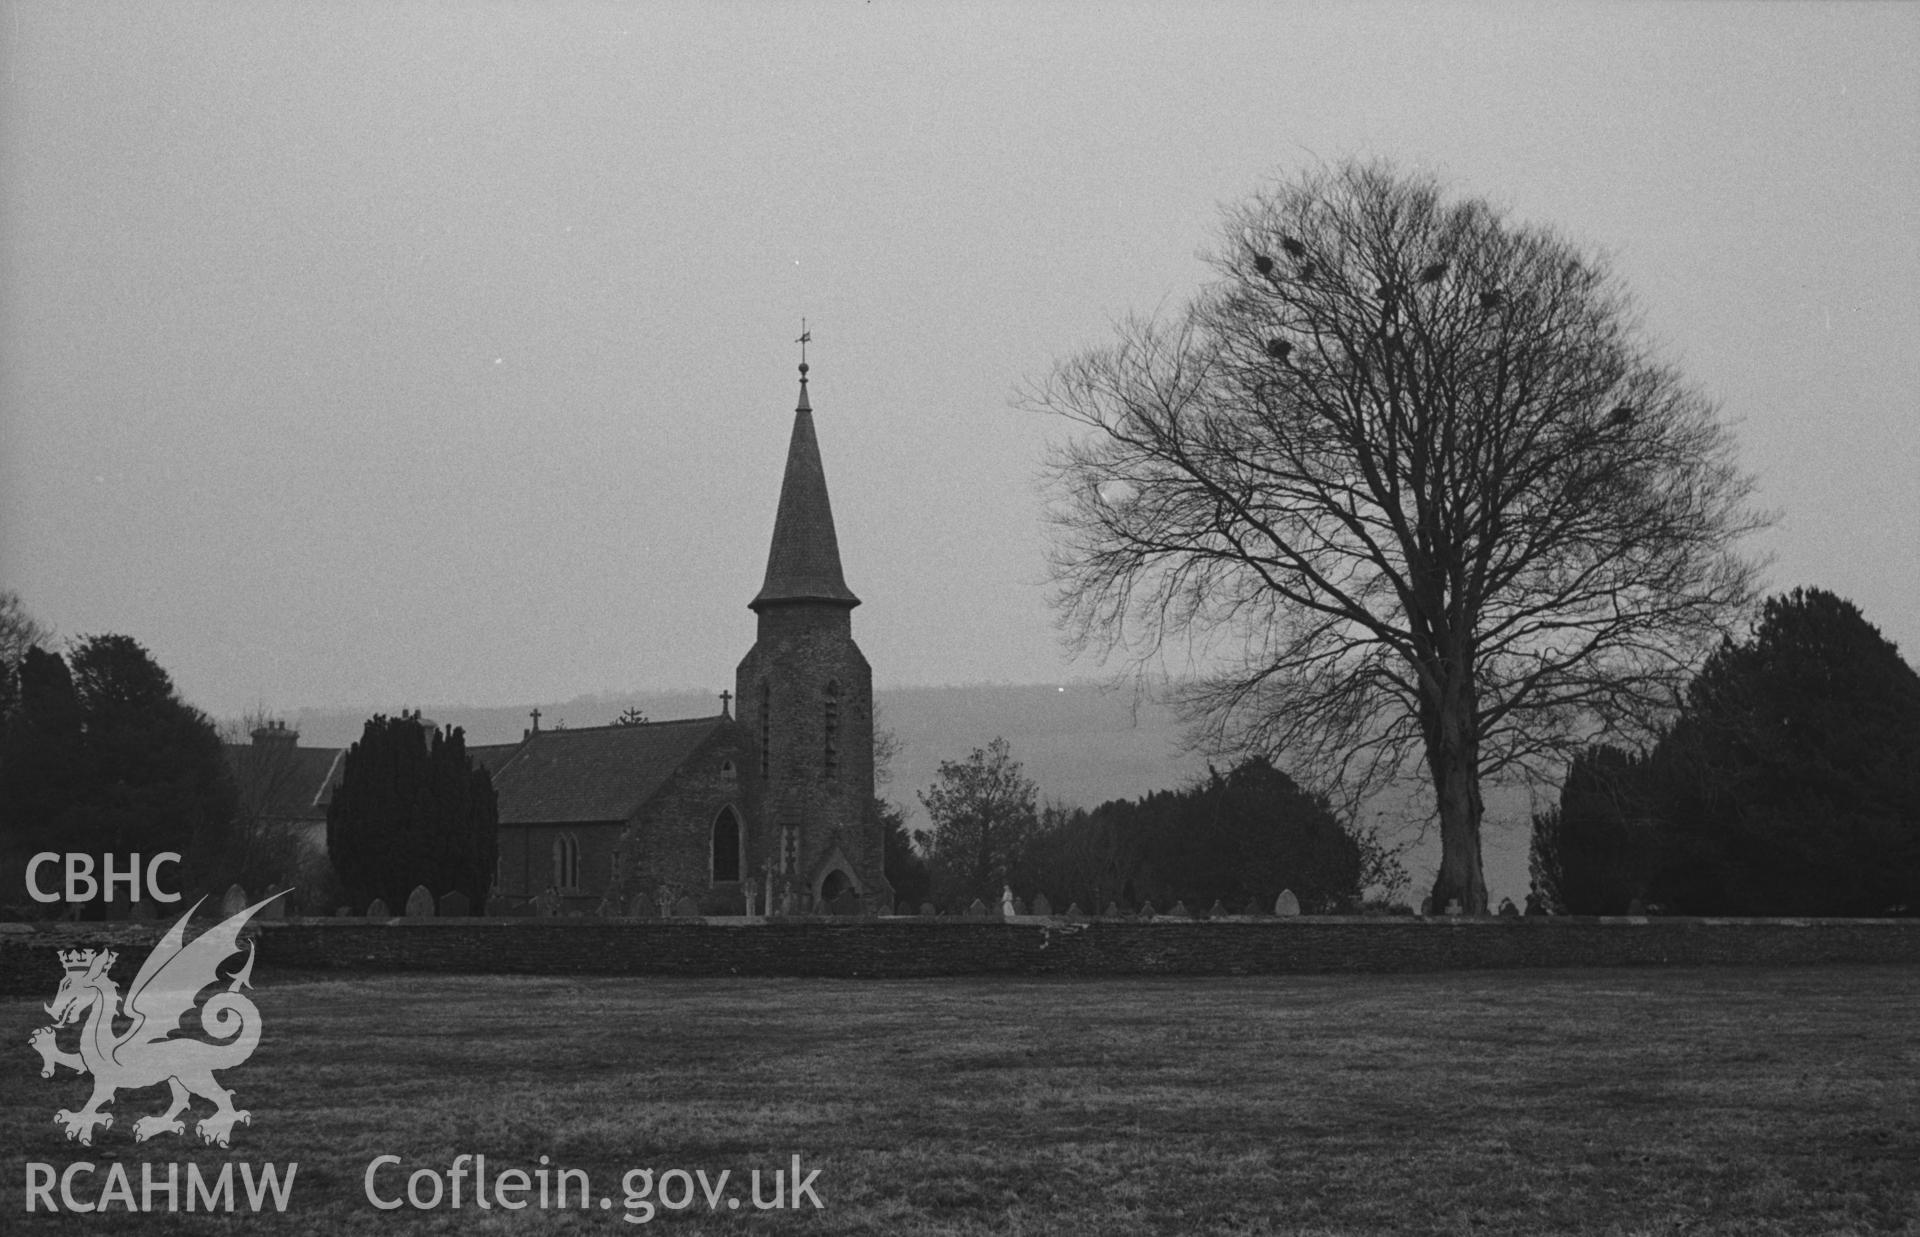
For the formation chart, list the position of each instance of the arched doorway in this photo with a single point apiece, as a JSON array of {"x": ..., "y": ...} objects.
[
  {"x": 834, "y": 885},
  {"x": 726, "y": 845}
]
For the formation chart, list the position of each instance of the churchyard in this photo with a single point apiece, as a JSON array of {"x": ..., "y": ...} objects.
[{"x": 1749, "y": 1100}]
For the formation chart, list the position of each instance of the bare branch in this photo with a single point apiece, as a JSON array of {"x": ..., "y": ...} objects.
[{"x": 1416, "y": 467}]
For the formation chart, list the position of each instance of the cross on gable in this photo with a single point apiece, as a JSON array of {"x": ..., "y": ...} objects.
[{"x": 726, "y": 698}]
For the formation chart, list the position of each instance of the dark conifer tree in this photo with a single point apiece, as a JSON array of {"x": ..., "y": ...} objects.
[
  {"x": 1790, "y": 785},
  {"x": 101, "y": 755},
  {"x": 1600, "y": 846},
  {"x": 412, "y": 809}
]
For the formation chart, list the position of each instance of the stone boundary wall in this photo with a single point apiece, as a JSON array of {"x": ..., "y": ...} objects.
[{"x": 910, "y": 947}]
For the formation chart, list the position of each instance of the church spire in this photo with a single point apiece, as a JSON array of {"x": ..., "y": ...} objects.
[{"x": 804, "y": 561}]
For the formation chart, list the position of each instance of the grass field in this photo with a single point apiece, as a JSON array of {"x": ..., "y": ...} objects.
[{"x": 1736, "y": 1101}]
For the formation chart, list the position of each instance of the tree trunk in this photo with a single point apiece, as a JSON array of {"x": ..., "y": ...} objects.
[{"x": 1453, "y": 756}]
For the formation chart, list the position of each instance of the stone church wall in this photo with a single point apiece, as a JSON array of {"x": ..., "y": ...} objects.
[
  {"x": 671, "y": 843},
  {"x": 526, "y": 862},
  {"x": 800, "y": 650}
]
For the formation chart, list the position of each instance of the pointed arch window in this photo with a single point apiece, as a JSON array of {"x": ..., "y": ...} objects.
[
  {"x": 726, "y": 845},
  {"x": 831, "y": 757},
  {"x": 766, "y": 728},
  {"x": 566, "y": 863}
]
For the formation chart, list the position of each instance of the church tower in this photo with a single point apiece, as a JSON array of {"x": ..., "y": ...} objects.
[{"x": 805, "y": 696}]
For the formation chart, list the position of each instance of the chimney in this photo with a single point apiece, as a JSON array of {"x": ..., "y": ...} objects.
[{"x": 275, "y": 734}]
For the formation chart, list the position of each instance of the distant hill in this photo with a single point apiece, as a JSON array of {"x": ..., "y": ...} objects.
[{"x": 1082, "y": 743}]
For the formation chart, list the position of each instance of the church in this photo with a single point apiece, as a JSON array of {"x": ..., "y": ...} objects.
[
  {"x": 775, "y": 792},
  {"x": 772, "y": 796}
]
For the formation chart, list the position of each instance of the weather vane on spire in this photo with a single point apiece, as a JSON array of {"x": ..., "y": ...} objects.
[{"x": 805, "y": 335}]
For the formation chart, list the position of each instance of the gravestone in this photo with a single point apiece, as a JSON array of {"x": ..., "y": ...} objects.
[
  {"x": 1019, "y": 907},
  {"x": 976, "y": 909},
  {"x": 686, "y": 907},
  {"x": 420, "y": 903},
  {"x": 640, "y": 906},
  {"x": 1286, "y": 903},
  {"x": 1453, "y": 907},
  {"x": 1074, "y": 912},
  {"x": 1217, "y": 910},
  {"x": 343, "y": 912},
  {"x": 1253, "y": 908},
  {"x": 547, "y": 905},
  {"x": 1636, "y": 907},
  {"x": 1146, "y": 910},
  {"x": 1112, "y": 911},
  {"x": 454, "y": 905},
  {"x": 377, "y": 909},
  {"x": 1179, "y": 911},
  {"x": 1041, "y": 906},
  {"x": 1508, "y": 910},
  {"x": 234, "y": 902}
]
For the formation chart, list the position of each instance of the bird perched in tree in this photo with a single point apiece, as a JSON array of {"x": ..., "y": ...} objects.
[
  {"x": 1293, "y": 247},
  {"x": 1622, "y": 414},
  {"x": 1433, "y": 273},
  {"x": 1279, "y": 349},
  {"x": 1263, "y": 264}
]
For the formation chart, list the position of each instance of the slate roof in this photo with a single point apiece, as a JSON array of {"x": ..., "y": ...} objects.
[
  {"x": 597, "y": 773},
  {"x": 490, "y": 756},
  {"x": 298, "y": 781},
  {"x": 804, "y": 562}
]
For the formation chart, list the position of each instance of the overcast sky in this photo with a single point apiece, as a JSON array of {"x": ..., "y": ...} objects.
[{"x": 414, "y": 353}]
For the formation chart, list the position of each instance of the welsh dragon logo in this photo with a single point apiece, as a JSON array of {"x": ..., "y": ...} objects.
[{"x": 146, "y": 1052}]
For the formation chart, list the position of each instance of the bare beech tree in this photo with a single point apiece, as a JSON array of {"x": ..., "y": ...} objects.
[{"x": 1412, "y": 480}]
